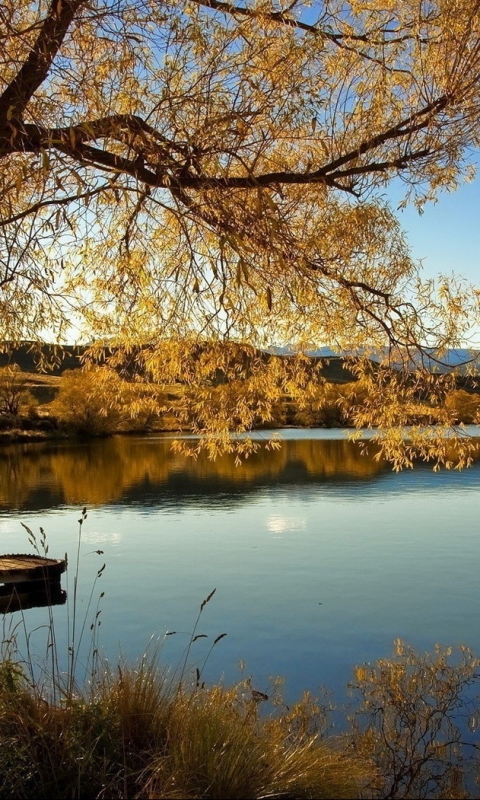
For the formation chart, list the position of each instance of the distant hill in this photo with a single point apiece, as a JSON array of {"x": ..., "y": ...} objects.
[
  {"x": 334, "y": 369},
  {"x": 29, "y": 357},
  {"x": 459, "y": 358}
]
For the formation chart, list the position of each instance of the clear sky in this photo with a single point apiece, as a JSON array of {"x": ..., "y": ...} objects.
[{"x": 447, "y": 235}]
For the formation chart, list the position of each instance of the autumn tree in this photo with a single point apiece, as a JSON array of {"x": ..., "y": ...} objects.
[
  {"x": 15, "y": 397},
  {"x": 97, "y": 401},
  {"x": 91, "y": 402},
  {"x": 181, "y": 173}
]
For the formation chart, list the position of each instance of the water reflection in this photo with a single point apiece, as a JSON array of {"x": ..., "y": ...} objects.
[
  {"x": 320, "y": 556},
  {"x": 19, "y": 598},
  {"x": 133, "y": 469}
]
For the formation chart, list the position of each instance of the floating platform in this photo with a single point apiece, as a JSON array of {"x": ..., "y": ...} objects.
[{"x": 21, "y": 568}]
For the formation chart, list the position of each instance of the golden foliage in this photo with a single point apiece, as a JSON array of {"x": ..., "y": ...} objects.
[
  {"x": 464, "y": 405},
  {"x": 204, "y": 172},
  {"x": 91, "y": 401}
]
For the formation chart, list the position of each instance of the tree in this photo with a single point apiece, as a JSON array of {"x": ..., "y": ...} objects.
[
  {"x": 199, "y": 170},
  {"x": 91, "y": 402},
  {"x": 14, "y": 395}
]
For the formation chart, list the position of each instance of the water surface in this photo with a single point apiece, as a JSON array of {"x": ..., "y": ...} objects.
[{"x": 320, "y": 556}]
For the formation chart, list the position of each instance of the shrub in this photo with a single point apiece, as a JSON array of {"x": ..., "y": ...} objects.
[
  {"x": 464, "y": 405},
  {"x": 15, "y": 399},
  {"x": 412, "y": 720},
  {"x": 91, "y": 401},
  {"x": 328, "y": 406}
]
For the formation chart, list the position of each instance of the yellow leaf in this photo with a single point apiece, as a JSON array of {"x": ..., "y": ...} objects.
[{"x": 269, "y": 298}]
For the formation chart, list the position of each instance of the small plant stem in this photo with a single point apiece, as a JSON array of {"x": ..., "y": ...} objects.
[
  {"x": 72, "y": 648},
  {"x": 192, "y": 639}
]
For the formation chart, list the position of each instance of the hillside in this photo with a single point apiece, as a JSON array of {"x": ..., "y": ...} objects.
[{"x": 49, "y": 360}]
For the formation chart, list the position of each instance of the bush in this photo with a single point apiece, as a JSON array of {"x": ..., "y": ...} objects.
[
  {"x": 327, "y": 407},
  {"x": 412, "y": 721},
  {"x": 464, "y": 405},
  {"x": 15, "y": 399},
  {"x": 91, "y": 401}
]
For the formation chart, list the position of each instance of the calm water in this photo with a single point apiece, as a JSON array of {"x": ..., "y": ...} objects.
[{"x": 320, "y": 556}]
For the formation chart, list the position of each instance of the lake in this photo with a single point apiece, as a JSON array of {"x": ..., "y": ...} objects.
[{"x": 320, "y": 556}]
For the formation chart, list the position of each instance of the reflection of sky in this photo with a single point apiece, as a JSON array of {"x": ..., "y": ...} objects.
[
  {"x": 97, "y": 537},
  {"x": 312, "y": 577},
  {"x": 277, "y": 524}
]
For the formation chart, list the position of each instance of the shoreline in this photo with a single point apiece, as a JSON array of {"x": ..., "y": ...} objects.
[
  {"x": 37, "y": 436},
  {"x": 21, "y": 436}
]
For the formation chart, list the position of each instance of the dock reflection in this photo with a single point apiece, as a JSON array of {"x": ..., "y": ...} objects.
[{"x": 22, "y": 597}]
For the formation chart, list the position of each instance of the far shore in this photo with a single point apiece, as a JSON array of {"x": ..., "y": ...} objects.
[{"x": 17, "y": 435}]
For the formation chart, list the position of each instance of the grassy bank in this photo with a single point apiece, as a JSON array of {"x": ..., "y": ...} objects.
[
  {"x": 132, "y": 735},
  {"x": 131, "y": 732}
]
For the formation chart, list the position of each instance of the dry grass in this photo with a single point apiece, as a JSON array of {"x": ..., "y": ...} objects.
[
  {"x": 133, "y": 735},
  {"x": 221, "y": 748}
]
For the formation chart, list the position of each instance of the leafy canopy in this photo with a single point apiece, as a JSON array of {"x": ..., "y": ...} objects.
[{"x": 184, "y": 171}]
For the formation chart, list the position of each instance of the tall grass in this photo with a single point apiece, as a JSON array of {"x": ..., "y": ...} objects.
[{"x": 132, "y": 736}]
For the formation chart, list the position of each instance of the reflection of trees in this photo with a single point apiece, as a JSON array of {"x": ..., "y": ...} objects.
[
  {"x": 317, "y": 458},
  {"x": 99, "y": 473},
  {"x": 334, "y": 458},
  {"x": 21, "y": 469},
  {"x": 257, "y": 466},
  {"x": 96, "y": 472},
  {"x": 103, "y": 471}
]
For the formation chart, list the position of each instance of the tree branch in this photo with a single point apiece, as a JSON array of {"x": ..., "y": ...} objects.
[
  {"x": 170, "y": 171},
  {"x": 403, "y": 128},
  {"x": 35, "y": 68},
  {"x": 284, "y": 19},
  {"x": 57, "y": 202}
]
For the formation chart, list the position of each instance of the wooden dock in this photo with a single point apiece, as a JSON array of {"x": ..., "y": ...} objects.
[{"x": 22, "y": 568}]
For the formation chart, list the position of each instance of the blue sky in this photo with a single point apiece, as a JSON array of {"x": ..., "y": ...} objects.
[{"x": 447, "y": 235}]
